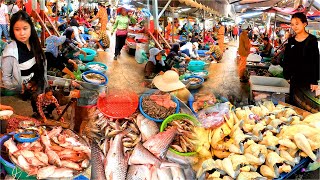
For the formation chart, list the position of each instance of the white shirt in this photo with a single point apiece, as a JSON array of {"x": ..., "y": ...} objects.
[
  {"x": 3, "y": 12},
  {"x": 12, "y": 9},
  {"x": 193, "y": 52}
]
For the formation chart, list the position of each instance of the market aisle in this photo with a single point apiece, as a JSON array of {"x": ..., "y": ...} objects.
[
  {"x": 124, "y": 73},
  {"x": 223, "y": 78}
]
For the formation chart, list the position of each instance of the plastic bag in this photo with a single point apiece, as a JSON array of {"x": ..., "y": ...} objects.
[
  {"x": 275, "y": 70},
  {"x": 140, "y": 54},
  {"x": 213, "y": 117}
]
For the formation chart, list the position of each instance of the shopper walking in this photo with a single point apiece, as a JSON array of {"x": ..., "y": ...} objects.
[
  {"x": 102, "y": 15},
  {"x": 244, "y": 51},
  {"x": 121, "y": 25},
  {"x": 301, "y": 58},
  {"x": 235, "y": 32},
  {"x": 221, "y": 33},
  {"x": 23, "y": 60},
  {"x": 4, "y": 20}
]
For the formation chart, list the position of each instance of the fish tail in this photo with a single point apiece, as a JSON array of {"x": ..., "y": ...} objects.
[{"x": 125, "y": 132}]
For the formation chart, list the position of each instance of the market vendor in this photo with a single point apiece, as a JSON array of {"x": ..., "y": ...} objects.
[
  {"x": 103, "y": 41},
  {"x": 23, "y": 58},
  {"x": 45, "y": 104},
  {"x": 70, "y": 46},
  {"x": 155, "y": 65},
  {"x": 301, "y": 58},
  {"x": 54, "y": 59},
  {"x": 176, "y": 59},
  {"x": 191, "y": 50},
  {"x": 215, "y": 53},
  {"x": 169, "y": 82},
  {"x": 267, "y": 48}
]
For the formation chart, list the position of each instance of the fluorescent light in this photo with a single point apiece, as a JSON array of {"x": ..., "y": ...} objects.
[
  {"x": 186, "y": 9},
  {"x": 248, "y": 15}
]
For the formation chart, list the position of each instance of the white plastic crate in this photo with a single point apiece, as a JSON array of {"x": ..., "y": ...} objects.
[{"x": 268, "y": 84}]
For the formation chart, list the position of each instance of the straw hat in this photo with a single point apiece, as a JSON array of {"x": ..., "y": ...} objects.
[{"x": 169, "y": 81}]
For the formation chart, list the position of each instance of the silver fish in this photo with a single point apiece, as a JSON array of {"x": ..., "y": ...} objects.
[
  {"x": 139, "y": 172},
  {"x": 177, "y": 173},
  {"x": 141, "y": 155},
  {"x": 97, "y": 169},
  {"x": 183, "y": 160},
  {"x": 147, "y": 127},
  {"x": 159, "y": 144},
  {"x": 117, "y": 162},
  {"x": 164, "y": 174},
  {"x": 189, "y": 173}
]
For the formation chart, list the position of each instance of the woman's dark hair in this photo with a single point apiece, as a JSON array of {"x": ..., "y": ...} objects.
[
  {"x": 266, "y": 39},
  {"x": 48, "y": 89},
  {"x": 175, "y": 48},
  {"x": 301, "y": 16},
  {"x": 33, "y": 41},
  {"x": 220, "y": 23},
  {"x": 68, "y": 33}
]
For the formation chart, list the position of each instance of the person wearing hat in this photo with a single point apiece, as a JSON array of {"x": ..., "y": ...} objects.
[
  {"x": 244, "y": 51},
  {"x": 54, "y": 60},
  {"x": 191, "y": 50},
  {"x": 169, "y": 82},
  {"x": 121, "y": 25},
  {"x": 155, "y": 65},
  {"x": 176, "y": 59}
]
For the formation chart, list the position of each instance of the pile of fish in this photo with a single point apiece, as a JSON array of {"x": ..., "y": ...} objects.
[
  {"x": 56, "y": 154},
  {"x": 202, "y": 101},
  {"x": 96, "y": 67},
  {"x": 185, "y": 141},
  {"x": 95, "y": 78},
  {"x": 148, "y": 159},
  {"x": 158, "y": 105},
  {"x": 194, "y": 81},
  {"x": 257, "y": 142}
]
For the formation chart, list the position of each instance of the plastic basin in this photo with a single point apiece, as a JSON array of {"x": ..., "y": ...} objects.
[
  {"x": 10, "y": 168},
  {"x": 196, "y": 65},
  {"x": 105, "y": 67},
  {"x": 175, "y": 117},
  {"x": 95, "y": 72},
  {"x": 197, "y": 85},
  {"x": 154, "y": 119},
  {"x": 90, "y": 55},
  {"x": 204, "y": 73}
]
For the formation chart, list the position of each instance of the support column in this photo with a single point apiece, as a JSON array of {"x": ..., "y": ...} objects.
[
  {"x": 155, "y": 15},
  {"x": 43, "y": 30}
]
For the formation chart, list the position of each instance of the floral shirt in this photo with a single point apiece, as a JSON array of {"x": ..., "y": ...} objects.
[
  {"x": 216, "y": 50},
  {"x": 42, "y": 102}
]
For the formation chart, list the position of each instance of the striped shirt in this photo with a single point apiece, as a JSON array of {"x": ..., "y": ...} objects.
[
  {"x": 42, "y": 101},
  {"x": 27, "y": 62}
]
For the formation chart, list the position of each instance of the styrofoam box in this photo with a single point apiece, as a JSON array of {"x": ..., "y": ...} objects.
[
  {"x": 269, "y": 84},
  {"x": 254, "y": 58}
]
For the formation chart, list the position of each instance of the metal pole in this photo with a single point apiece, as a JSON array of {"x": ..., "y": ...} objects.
[
  {"x": 165, "y": 7},
  {"x": 155, "y": 14},
  {"x": 204, "y": 25},
  {"x": 275, "y": 26}
]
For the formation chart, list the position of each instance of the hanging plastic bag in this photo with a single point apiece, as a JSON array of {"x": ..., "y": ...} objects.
[
  {"x": 213, "y": 117},
  {"x": 140, "y": 55}
]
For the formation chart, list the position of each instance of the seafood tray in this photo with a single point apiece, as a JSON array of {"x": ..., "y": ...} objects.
[
  {"x": 17, "y": 172},
  {"x": 304, "y": 162},
  {"x": 97, "y": 66}
]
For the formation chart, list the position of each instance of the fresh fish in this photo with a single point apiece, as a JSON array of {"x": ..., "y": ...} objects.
[
  {"x": 138, "y": 172},
  {"x": 147, "y": 128},
  {"x": 84, "y": 149},
  {"x": 117, "y": 162},
  {"x": 85, "y": 163},
  {"x": 45, "y": 172},
  {"x": 159, "y": 144},
  {"x": 71, "y": 165},
  {"x": 141, "y": 155},
  {"x": 164, "y": 173},
  {"x": 42, "y": 157},
  {"x": 11, "y": 146},
  {"x": 177, "y": 173},
  {"x": 45, "y": 140},
  {"x": 55, "y": 132},
  {"x": 22, "y": 162},
  {"x": 97, "y": 158},
  {"x": 105, "y": 147},
  {"x": 189, "y": 173},
  {"x": 53, "y": 157},
  {"x": 62, "y": 173}
]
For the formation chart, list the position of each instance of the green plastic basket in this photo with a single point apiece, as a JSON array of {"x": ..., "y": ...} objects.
[{"x": 178, "y": 117}]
